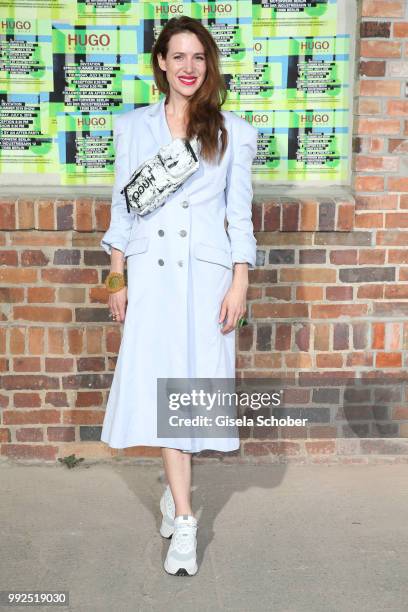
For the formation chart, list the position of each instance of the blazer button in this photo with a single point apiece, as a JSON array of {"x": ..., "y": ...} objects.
[
  {"x": 184, "y": 204},
  {"x": 160, "y": 232},
  {"x": 183, "y": 233},
  {"x": 160, "y": 262}
]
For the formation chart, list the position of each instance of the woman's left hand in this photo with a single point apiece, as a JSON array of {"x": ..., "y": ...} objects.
[{"x": 233, "y": 306}]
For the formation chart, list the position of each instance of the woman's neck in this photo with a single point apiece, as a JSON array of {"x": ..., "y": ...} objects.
[{"x": 176, "y": 108}]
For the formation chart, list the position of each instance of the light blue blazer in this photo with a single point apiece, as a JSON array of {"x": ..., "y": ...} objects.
[
  {"x": 180, "y": 266},
  {"x": 215, "y": 193}
]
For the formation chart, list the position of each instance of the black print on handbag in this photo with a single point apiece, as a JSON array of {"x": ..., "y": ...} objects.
[{"x": 154, "y": 180}]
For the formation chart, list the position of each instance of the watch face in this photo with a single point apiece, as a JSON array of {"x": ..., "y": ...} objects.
[{"x": 114, "y": 282}]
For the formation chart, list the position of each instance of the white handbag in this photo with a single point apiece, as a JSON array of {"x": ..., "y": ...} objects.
[{"x": 155, "y": 179}]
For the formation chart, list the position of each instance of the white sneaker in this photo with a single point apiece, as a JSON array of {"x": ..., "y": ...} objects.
[
  {"x": 168, "y": 511},
  {"x": 181, "y": 557}
]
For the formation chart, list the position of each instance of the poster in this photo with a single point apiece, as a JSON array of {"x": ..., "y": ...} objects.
[{"x": 67, "y": 67}]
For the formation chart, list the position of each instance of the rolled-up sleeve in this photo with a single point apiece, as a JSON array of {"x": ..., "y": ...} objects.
[
  {"x": 239, "y": 193},
  {"x": 118, "y": 233}
]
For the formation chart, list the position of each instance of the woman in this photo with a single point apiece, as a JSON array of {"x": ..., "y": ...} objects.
[{"x": 187, "y": 274}]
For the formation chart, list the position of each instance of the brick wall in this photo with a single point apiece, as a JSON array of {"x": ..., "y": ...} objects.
[{"x": 328, "y": 297}]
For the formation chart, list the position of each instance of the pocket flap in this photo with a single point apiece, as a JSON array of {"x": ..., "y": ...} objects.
[
  {"x": 137, "y": 245},
  {"x": 213, "y": 254}
]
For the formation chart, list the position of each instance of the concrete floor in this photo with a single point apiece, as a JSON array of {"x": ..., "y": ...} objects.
[{"x": 271, "y": 538}]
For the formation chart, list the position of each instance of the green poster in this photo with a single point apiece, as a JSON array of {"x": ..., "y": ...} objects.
[
  {"x": 294, "y": 73},
  {"x": 68, "y": 66},
  {"x": 294, "y": 18},
  {"x": 86, "y": 149},
  {"x": 26, "y": 146},
  {"x": 25, "y": 56}
]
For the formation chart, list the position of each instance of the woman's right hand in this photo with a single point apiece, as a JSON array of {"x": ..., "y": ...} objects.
[{"x": 117, "y": 305}]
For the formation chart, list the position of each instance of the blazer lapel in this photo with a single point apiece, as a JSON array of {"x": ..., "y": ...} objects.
[{"x": 156, "y": 120}]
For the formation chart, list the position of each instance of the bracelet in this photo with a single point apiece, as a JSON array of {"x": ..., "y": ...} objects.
[{"x": 115, "y": 281}]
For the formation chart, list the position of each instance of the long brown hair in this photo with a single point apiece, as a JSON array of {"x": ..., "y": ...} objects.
[{"x": 204, "y": 118}]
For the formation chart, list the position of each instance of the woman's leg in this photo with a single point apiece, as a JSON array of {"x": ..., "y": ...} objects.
[{"x": 177, "y": 466}]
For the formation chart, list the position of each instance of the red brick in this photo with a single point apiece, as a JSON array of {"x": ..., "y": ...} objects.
[
  {"x": 19, "y": 417},
  {"x": 83, "y": 417},
  {"x": 25, "y": 214},
  {"x": 56, "y": 341},
  {"x": 372, "y": 68},
  {"x": 58, "y": 399},
  {"x": 17, "y": 276},
  {"x": 341, "y": 257},
  {"x": 7, "y": 215},
  {"x": 397, "y": 292},
  {"x": 86, "y": 399},
  {"x": 5, "y": 435},
  {"x": 369, "y": 106},
  {"x": 339, "y": 293},
  {"x": 345, "y": 216},
  {"x": 35, "y": 340},
  {"x": 74, "y": 275},
  {"x": 42, "y": 313},
  {"x": 27, "y": 364},
  {"x": 388, "y": 360},
  {"x": 329, "y": 360},
  {"x": 397, "y": 107},
  {"x": 335, "y": 311},
  {"x": 29, "y": 434},
  {"x": 320, "y": 447},
  {"x": 396, "y": 219},
  {"x": 380, "y": 48},
  {"x": 307, "y": 275},
  {"x": 376, "y": 145},
  {"x": 376, "y": 202},
  {"x": 55, "y": 364},
  {"x": 378, "y": 331},
  {"x": 8, "y": 258},
  {"x": 17, "y": 340},
  {"x": 61, "y": 434},
  {"x": 321, "y": 337},
  {"x": 29, "y": 451},
  {"x": 383, "y": 8},
  {"x": 11, "y": 294},
  {"x": 34, "y": 258},
  {"x": 46, "y": 215},
  {"x": 369, "y": 220},
  {"x": 102, "y": 216},
  {"x": 398, "y": 145},
  {"x": 309, "y": 294},
  {"x": 272, "y": 213},
  {"x": 308, "y": 216},
  {"x": 369, "y": 183},
  {"x": 400, "y": 29},
  {"x": 75, "y": 340},
  {"x": 397, "y": 256},
  {"x": 369, "y": 256},
  {"x": 376, "y": 87},
  {"x": 372, "y": 125},
  {"x": 279, "y": 310},
  {"x": 83, "y": 215},
  {"x": 41, "y": 294},
  {"x": 27, "y": 400},
  {"x": 365, "y": 163}
]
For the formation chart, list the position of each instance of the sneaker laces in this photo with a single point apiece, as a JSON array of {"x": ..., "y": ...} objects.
[{"x": 184, "y": 537}]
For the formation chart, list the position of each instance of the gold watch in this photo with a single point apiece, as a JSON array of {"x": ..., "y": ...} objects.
[{"x": 115, "y": 281}]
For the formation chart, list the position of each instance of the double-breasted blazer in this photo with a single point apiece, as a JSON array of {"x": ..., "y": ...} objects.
[{"x": 180, "y": 260}]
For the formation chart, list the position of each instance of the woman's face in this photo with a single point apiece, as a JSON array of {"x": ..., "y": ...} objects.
[{"x": 185, "y": 64}]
